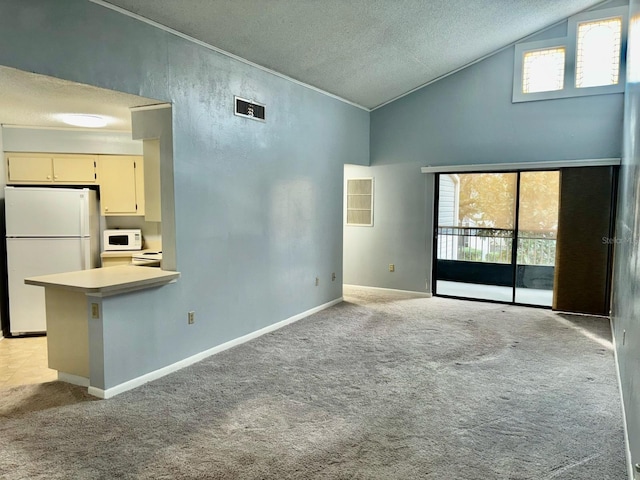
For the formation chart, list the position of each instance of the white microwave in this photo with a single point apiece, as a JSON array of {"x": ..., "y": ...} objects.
[{"x": 122, "y": 239}]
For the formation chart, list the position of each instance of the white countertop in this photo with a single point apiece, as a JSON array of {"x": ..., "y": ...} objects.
[
  {"x": 126, "y": 253},
  {"x": 106, "y": 281}
]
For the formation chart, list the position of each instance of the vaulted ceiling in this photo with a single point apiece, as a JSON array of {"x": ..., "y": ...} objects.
[{"x": 365, "y": 51}]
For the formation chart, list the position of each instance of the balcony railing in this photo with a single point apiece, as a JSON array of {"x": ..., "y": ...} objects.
[
  {"x": 494, "y": 245},
  {"x": 537, "y": 248}
]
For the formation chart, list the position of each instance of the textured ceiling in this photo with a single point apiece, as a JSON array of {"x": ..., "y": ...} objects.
[
  {"x": 366, "y": 51},
  {"x": 29, "y": 99}
]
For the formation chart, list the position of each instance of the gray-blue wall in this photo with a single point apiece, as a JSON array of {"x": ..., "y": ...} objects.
[
  {"x": 466, "y": 118},
  {"x": 626, "y": 281},
  {"x": 258, "y": 205}
]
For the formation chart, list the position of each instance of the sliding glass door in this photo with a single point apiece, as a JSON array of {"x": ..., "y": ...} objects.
[
  {"x": 476, "y": 229},
  {"x": 537, "y": 233},
  {"x": 495, "y": 236}
]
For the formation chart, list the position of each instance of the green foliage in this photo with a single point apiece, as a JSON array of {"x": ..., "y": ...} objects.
[
  {"x": 469, "y": 254},
  {"x": 488, "y": 200},
  {"x": 502, "y": 256},
  {"x": 536, "y": 251}
]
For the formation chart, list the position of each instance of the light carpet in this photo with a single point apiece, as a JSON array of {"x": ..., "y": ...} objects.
[{"x": 382, "y": 386}]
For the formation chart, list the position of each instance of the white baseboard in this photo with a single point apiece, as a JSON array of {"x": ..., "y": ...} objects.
[
  {"x": 156, "y": 374},
  {"x": 624, "y": 411},
  {"x": 73, "y": 379},
  {"x": 391, "y": 290}
]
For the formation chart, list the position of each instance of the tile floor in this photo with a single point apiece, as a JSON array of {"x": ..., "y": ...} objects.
[{"x": 24, "y": 361}]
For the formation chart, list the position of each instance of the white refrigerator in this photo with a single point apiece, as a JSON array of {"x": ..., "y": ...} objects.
[{"x": 49, "y": 230}]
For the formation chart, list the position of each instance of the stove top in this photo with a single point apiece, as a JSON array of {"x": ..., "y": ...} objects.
[{"x": 147, "y": 259}]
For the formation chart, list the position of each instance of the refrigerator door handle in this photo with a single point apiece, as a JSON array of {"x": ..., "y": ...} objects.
[{"x": 83, "y": 261}]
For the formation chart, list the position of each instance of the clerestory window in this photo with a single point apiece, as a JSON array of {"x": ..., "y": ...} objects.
[
  {"x": 543, "y": 70},
  {"x": 598, "y": 52},
  {"x": 588, "y": 61}
]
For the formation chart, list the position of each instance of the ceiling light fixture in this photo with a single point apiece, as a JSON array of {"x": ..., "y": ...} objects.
[{"x": 83, "y": 120}]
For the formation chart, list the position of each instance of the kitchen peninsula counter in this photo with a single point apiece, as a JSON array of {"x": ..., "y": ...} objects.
[
  {"x": 106, "y": 281},
  {"x": 83, "y": 308}
]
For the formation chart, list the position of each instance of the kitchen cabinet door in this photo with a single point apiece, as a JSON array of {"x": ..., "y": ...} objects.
[
  {"x": 29, "y": 168},
  {"x": 74, "y": 169},
  {"x": 121, "y": 189}
]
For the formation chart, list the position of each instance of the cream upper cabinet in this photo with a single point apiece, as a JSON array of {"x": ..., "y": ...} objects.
[
  {"x": 38, "y": 168},
  {"x": 121, "y": 179},
  {"x": 80, "y": 169},
  {"x": 27, "y": 168}
]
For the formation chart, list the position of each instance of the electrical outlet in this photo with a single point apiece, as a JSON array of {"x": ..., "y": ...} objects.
[
  {"x": 392, "y": 267},
  {"x": 191, "y": 317},
  {"x": 333, "y": 277},
  {"x": 317, "y": 281},
  {"x": 95, "y": 310}
]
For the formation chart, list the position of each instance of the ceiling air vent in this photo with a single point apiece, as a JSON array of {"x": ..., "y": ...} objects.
[{"x": 249, "y": 109}]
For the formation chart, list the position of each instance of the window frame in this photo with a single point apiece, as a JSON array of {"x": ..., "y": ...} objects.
[
  {"x": 569, "y": 43},
  {"x": 633, "y": 45},
  {"x": 518, "y": 71},
  {"x": 346, "y": 202}
]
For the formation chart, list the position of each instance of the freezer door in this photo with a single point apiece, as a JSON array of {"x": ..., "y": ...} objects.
[
  {"x": 29, "y": 257},
  {"x": 47, "y": 212}
]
